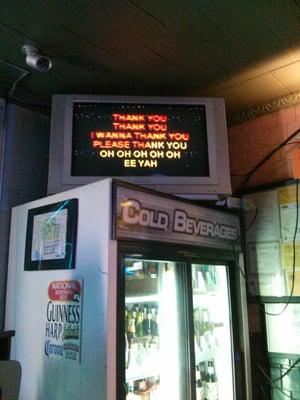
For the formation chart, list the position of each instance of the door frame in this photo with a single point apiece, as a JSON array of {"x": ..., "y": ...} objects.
[{"x": 191, "y": 255}]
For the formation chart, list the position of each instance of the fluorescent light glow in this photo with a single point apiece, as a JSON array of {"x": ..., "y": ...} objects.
[
  {"x": 169, "y": 362},
  {"x": 278, "y": 285}
]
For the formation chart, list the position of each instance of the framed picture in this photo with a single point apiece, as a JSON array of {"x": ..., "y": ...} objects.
[{"x": 51, "y": 236}]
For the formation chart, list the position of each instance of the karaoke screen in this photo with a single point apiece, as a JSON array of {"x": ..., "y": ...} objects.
[{"x": 116, "y": 139}]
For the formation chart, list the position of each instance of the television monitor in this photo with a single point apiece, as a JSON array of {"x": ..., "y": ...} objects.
[{"x": 176, "y": 145}]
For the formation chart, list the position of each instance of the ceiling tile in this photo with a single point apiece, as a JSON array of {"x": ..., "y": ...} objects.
[
  {"x": 44, "y": 87},
  {"x": 221, "y": 85},
  {"x": 11, "y": 43},
  {"x": 225, "y": 14},
  {"x": 288, "y": 29},
  {"x": 141, "y": 59},
  {"x": 190, "y": 60},
  {"x": 259, "y": 90},
  {"x": 295, "y": 52},
  {"x": 197, "y": 76},
  {"x": 267, "y": 65},
  {"x": 155, "y": 9},
  {"x": 188, "y": 43},
  {"x": 198, "y": 30},
  {"x": 84, "y": 3},
  {"x": 233, "y": 101},
  {"x": 156, "y": 47},
  {"x": 270, "y": 14},
  {"x": 248, "y": 56},
  {"x": 151, "y": 71},
  {"x": 288, "y": 33},
  {"x": 170, "y": 12},
  {"x": 289, "y": 76},
  {"x": 70, "y": 52},
  {"x": 115, "y": 25},
  {"x": 251, "y": 93},
  {"x": 37, "y": 19}
]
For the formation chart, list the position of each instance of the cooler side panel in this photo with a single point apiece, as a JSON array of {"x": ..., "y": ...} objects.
[{"x": 48, "y": 378}]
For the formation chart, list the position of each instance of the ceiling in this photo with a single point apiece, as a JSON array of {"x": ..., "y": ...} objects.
[{"x": 247, "y": 51}]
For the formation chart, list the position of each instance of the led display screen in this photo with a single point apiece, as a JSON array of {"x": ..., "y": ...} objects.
[{"x": 117, "y": 139}]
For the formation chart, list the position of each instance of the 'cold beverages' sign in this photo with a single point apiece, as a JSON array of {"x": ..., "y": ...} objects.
[{"x": 143, "y": 215}]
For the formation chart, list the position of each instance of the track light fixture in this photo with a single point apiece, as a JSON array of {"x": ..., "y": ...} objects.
[{"x": 36, "y": 60}]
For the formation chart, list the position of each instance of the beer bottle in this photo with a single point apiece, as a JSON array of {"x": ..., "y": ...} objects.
[
  {"x": 211, "y": 384},
  {"x": 199, "y": 386}
]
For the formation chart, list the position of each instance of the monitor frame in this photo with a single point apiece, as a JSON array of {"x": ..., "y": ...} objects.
[{"x": 217, "y": 183}]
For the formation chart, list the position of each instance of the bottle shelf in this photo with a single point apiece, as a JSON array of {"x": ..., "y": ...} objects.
[
  {"x": 142, "y": 358},
  {"x": 137, "y": 375},
  {"x": 199, "y": 292},
  {"x": 205, "y": 351},
  {"x": 141, "y": 286},
  {"x": 206, "y": 356},
  {"x": 150, "y": 298}
]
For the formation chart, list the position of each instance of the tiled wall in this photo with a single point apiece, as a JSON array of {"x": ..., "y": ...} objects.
[
  {"x": 24, "y": 153},
  {"x": 250, "y": 141}
]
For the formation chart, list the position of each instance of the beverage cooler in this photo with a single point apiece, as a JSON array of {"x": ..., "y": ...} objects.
[
  {"x": 118, "y": 293},
  {"x": 179, "y": 338}
]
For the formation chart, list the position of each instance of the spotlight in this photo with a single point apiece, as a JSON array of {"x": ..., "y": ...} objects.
[{"x": 36, "y": 60}]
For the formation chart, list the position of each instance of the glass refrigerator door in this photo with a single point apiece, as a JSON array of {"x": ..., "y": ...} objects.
[
  {"x": 212, "y": 333},
  {"x": 151, "y": 330}
]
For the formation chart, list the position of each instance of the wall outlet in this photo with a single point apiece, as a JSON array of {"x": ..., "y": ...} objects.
[{"x": 240, "y": 203}]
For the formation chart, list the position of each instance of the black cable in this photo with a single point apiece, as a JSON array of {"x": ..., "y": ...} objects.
[
  {"x": 240, "y": 269},
  {"x": 18, "y": 80},
  {"x": 246, "y": 229},
  {"x": 24, "y": 73},
  {"x": 263, "y": 391},
  {"x": 253, "y": 220},
  {"x": 10, "y": 64},
  {"x": 239, "y": 237},
  {"x": 238, "y": 175},
  {"x": 243, "y": 184},
  {"x": 245, "y": 175},
  {"x": 287, "y": 371},
  {"x": 271, "y": 382}
]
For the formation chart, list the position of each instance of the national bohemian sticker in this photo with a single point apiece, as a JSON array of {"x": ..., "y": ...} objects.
[{"x": 63, "y": 320}]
